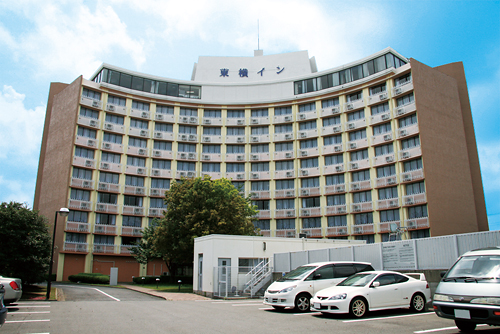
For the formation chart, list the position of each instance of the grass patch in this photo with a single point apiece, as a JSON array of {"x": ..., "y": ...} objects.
[
  {"x": 164, "y": 287},
  {"x": 37, "y": 292}
]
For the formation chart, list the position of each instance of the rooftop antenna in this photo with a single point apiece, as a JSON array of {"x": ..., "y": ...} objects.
[{"x": 258, "y": 35}]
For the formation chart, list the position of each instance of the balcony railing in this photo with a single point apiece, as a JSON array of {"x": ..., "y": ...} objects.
[
  {"x": 302, "y": 116},
  {"x": 385, "y": 227},
  {"x": 260, "y": 157},
  {"x": 136, "y": 170},
  {"x": 192, "y": 156},
  {"x": 285, "y": 213},
  {"x": 283, "y": 119},
  {"x": 382, "y": 138},
  {"x": 336, "y": 209},
  {"x": 88, "y": 102},
  {"x": 107, "y": 207},
  {"x": 131, "y": 231},
  {"x": 359, "y": 164},
  {"x": 263, "y": 214},
  {"x": 133, "y": 210},
  {"x": 113, "y": 147},
  {"x": 387, "y": 181},
  {"x": 242, "y": 139},
  {"x": 109, "y": 187},
  {"x": 379, "y": 97},
  {"x": 312, "y": 232},
  {"x": 77, "y": 227},
  {"x": 87, "y": 121},
  {"x": 412, "y": 175},
  {"x": 135, "y": 190},
  {"x": 333, "y": 110},
  {"x": 284, "y": 155},
  {"x": 417, "y": 223},
  {"x": 313, "y": 191},
  {"x": 105, "y": 229},
  {"x": 155, "y": 212},
  {"x": 284, "y": 174},
  {"x": 357, "y": 144},
  {"x": 304, "y": 134},
  {"x": 80, "y": 204},
  {"x": 84, "y": 162},
  {"x": 211, "y": 121},
  {"x": 163, "y": 135},
  {"x": 357, "y": 124},
  {"x": 379, "y": 118},
  {"x": 264, "y": 175},
  {"x": 411, "y": 152},
  {"x": 284, "y": 193},
  {"x": 405, "y": 109},
  {"x": 110, "y": 167},
  {"x": 389, "y": 203},
  {"x": 145, "y": 133},
  {"x": 103, "y": 248},
  {"x": 335, "y": 148},
  {"x": 361, "y": 207},
  {"x": 335, "y": 189},
  {"x": 215, "y": 139},
  {"x": 116, "y": 109},
  {"x": 213, "y": 175},
  {"x": 401, "y": 89},
  {"x": 384, "y": 159},
  {"x": 259, "y": 121},
  {"x": 407, "y": 131},
  {"x": 134, "y": 150},
  {"x": 306, "y": 212},
  {"x": 363, "y": 229},
  {"x": 162, "y": 154},
  {"x": 330, "y": 130},
  {"x": 126, "y": 249},
  {"x": 284, "y": 136},
  {"x": 336, "y": 231},
  {"x": 185, "y": 173},
  {"x": 360, "y": 185},
  {"x": 189, "y": 137},
  {"x": 235, "y": 121},
  {"x": 260, "y": 194},
  {"x": 82, "y": 183},
  {"x": 138, "y": 113},
  {"x": 305, "y": 172},
  {"x": 87, "y": 142},
  {"x": 236, "y": 175},
  {"x": 286, "y": 233},
  {"x": 259, "y": 138},
  {"x": 165, "y": 117},
  {"x": 216, "y": 157},
  {"x": 265, "y": 233},
  {"x": 308, "y": 152},
  {"x": 80, "y": 247},
  {"x": 414, "y": 199},
  {"x": 161, "y": 172},
  {"x": 353, "y": 105}
]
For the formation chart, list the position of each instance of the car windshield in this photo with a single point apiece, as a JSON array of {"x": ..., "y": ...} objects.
[
  {"x": 357, "y": 280},
  {"x": 298, "y": 273},
  {"x": 479, "y": 266}
]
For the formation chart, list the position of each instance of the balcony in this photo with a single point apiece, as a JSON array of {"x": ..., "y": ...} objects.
[
  {"x": 189, "y": 120},
  {"x": 284, "y": 136},
  {"x": 163, "y": 135},
  {"x": 236, "y": 176},
  {"x": 156, "y": 212},
  {"x": 103, "y": 249},
  {"x": 304, "y": 134},
  {"x": 411, "y": 152},
  {"x": 284, "y": 174},
  {"x": 335, "y": 189},
  {"x": 385, "y": 227},
  {"x": 282, "y": 155},
  {"x": 378, "y": 97},
  {"x": 336, "y": 209},
  {"x": 361, "y": 207},
  {"x": 306, "y": 192},
  {"x": 407, "y": 131},
  {"x": 80, "y": 204},
  {"x": 77, "y": 227},
  {"x": 263, "y": 214},
  {"x": 231, "y": 157},
  {"x": 110, "y": 167},
  {"x": 86, "y": 142},
  {"x": 113, "y": 147},
  {"x": 260, "y": 157},
  {"x": 259, "y": 138},
  {"x": 144, "y": 114},
  {"x": 136, "y": 170},
  {"x": 87, "y": 121},
  {"x": 157, "y": 192},
  {"x": 357, "y": 144},
  {"x": 162, "y": 154},
  {"x": 335, "y": 148},
  {"x": 83, "y": 162},
  {"x": 105, "y": 229},
  {"x": 284, "y": 193},
  {"x": 413, "y": 175},
  {"x": 264, "y": 194},
  {"x": 304, "y": 116},
  {"x": 185, "y": 173},
  {"x": 359, "y": 164},
  {"x": 264, "y": 233},
  {"x": 144, "y": 133},
  {"x": 116, "y": 109},
  {"x": 336, "y": 231},
  {"x": 285, "y": 213},
  {"x": 306, "y": 172},
  {"x": 405, "y": 109},
  {"x": 211, "y": 139},
  {"x": 286, "y": 233},
  {"x": 216, "y": 157},
  {"x": 417, "y": 223},
  {"x": 187, "y": 137},
  {"x": 310, "y": 212},
  {"x": 131, "y": 231},
  {"x": 333, "y": 169},
  {"x": 242, "y": 139},
  {"x": 264, "y": 175},
  {"x": 308, "y": 152},
  {"x": 353, "y": 105},
  {"x": 357, "y": 124},
  {"x": 386, "y": 181},
  {"x": 213, "y": 175},
  {"x": 88, "y": 102},
  {"x": 415, "y": 199},
  {"x": 382, "y": 138},
  {"x": 380, "y": 118},
  {"x": 107, "y": 207},
  {"x": 236, "y": 121},
  {"x": 360, "y": 185},
  {"x": 259, "y": 121},
  {"x": 283, "y": 119},
  {"x": 191, "y": 156},
  {"x": 384, "y": 160},
  {"x": 312, "y": 232},
  {"x": 116, "y": 128},
  {"x": 78, "y": 247},
  {"x": 133, "y": 210},
  {"x": 363, "y": 229},
  {"x": 82, "y": 183},
  {"x": 333, "y": 110},
  {"x": 134, "y": 190},
  {"x": 390, "y": 203},
  {"x": 126, "y": 249},
  {"x": 164, "y": 118},
  {"x": 211, "y": 121},
  {"x": 109, "y": 187},
  {"x": 330, "y": 130},
  {"x": 404, "y": 88},
  {"x": 141, "y": 151}
]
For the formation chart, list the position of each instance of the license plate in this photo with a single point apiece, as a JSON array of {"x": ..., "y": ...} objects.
[
  {"x": 317, "y": 306},
  {"x": 462, "y": 314}
]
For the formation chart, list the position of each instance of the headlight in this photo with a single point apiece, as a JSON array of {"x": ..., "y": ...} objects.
[
  {"x": 486, "y": 300},
  {"x": 290, "y": 288},
  {"x": 338, "y": 297},
  {"x": 442, "y": 298}
]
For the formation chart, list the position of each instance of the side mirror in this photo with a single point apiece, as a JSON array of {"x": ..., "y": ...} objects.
[{"x": 375, "y": 284}]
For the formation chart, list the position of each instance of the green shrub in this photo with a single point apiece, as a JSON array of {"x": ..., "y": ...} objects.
[
  {"x": 93, "y": 278},
  {"x": 163, "y": 279}
]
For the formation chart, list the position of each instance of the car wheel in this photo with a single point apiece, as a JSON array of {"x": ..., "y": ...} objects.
[
  {"x": 358, "y": 307},
  {"x": 465, "y": 326},
  {"x": 303, "y": 302},
  {"x": 278, "y": 308},
  {"x": 417, "y": 303}
]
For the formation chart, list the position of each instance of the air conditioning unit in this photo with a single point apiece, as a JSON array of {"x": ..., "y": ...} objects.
[
  {"x": 190, "y": 174},
  {"x": 289, "y": 174},
  {"x": 81, "y": 248},
  {"x": 155, "y": 192},
  {"x": 302, "y": 134},
  {"x": 93, "y": 123},
  {"x": 356, "y": 208},
  {"x": 82, "y": 228},
  {"x": 240, "y": 176},
  {"x": 183, "y": 137},
  {"x": 240, "y": 139},
  {"x": 391, "y": 181},
  {"x": 354, "y": 165},
  {"x": 337, "y": 129},
  {"x": 304, "y": 172},
  {"x": 341, "y": 209},
  {"x": 142, "y": 151},
  {"x": 340, "y": 188},
  {"x": 358, "y": 230},
  {"x": 145, "y": 114},
  {"x": 302, "y": 116},
  {"x": 403, "y": 133},
  {"x": 240, "y": 122},
  {"x": 184, "y": 119},
  {"x": 387, "y": 137},
  {"x": 304, "y": 192},
  {"x": 389, "y": 158},
  {"x": 290, "y": 193},
  {"x": 385, "y": 117},
  {"x": 254, "y": 121},
  {"x": 101, "y": 207},
  {"x": 342, "y": 231},
  {"x": 159, "y": 117},
  {"x": 153, "y": 212},
  {"x": 355, "y": 186},
  {"x": 89, "y": 163},
  {"x": 338, "y": 148},
  {"x": 156, "y": 172},
  {"x": 193, "y": 120},
  {"x": 255, "y": 139},
  {"x": 207, "y": 121},
  {"x": 157, "y": 153},
  {"x": 288, "y": 155},
  {"x": 383, "y": 96},
  {"x": 351, "y": 126},
  {"x": 111, "y": 107},
  {"x": 405, "y": 155},
  {"x": 406, "y": 177},
  {"x": 87, "y": 184},
  {"x": 398, "y": 91},
  {"x": 158, "y": 135},
  {"x": 141, "y": 171},
  {"x": 139, "y": 191},
  {"x": 98, "y": 248},
  {"x": 183, "y": 156},
  {"x": 288, "y": 136},
  {"x": 350, "y": 106},
  {"x": 91, "y": 143},
  {"x": 106, "y": 146},
  {"x": 306, "y": 213},
  {"x": 104, "y": 165},
  {"x": 192, "y": 138},
  {"x": 411, "y": 224},
  {"x": 288, "y": 118},
  {"x": 409, "y": 201},
  {"x": 400, "y": 111},
  {"x": 207, "y": 139},
  {"x": 240, "y": 157},
  {"x": 144, "y": 133},
  {"x": 108, "y": 126},
  {"x": 353, "y": 146},
  {"x": 254, "y": 157},
  {"x": 335, "y": 110},
  {"x": 393, "y": 203},
  {"x": 137, "y": 211},
  {"x": 339, "y": 168},
  {"x": 290, "y": 234},
  {"x": 182, "y": 174},
  {"x": 192, "y": 156},
  {"x": 255, "y": 175},
  {"x": 290, "y": 213},
  {"x": 303, "y": 153},
  {"x": 205, "y": 157},
  {"x": 102, "y": 186},
  {"x": 84, "y": 206},
  {"x": 95, "y": 104}
]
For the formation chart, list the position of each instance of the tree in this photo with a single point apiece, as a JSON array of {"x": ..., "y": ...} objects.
[
  {"x": 26, "y": 242},
  {"x": 198, "y": 207}
]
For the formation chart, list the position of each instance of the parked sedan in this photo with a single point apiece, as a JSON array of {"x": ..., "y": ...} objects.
[
  {"x": 373, "y": 290},
  {"x": 13, "y": 289},
  {"x": 3, "y": 309}
]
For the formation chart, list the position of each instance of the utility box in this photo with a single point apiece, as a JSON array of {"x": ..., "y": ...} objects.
[{"x": 113, "y": 276}]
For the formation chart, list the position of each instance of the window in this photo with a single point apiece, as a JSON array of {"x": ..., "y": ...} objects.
[
  {"x": 402, "y": 79},
  {"x": 284, "y": 184},
  {"x": 188, "y": 112},
  {"x": 362, "y": 197},
  {"x": 410, "y": 142},
  {"x": 386, "y": 171},
  {"x": 360, "y": 176},
  {"x": 335, "y": 200},
  {"x": 236, "y": 114},
  {"x": 311, "y": 182},
  {"x": 281, "y": 147},
  {"x": 112, "y": 138},
  {"x": 260, "y": 130},
  {"x": 384, "y": 149},
  {"x": 168, "y": 110},
  {"x": 386, "y": 193},
  {"x": 260, "y": 112},
  {"x": 91, "y": 94},
  {"x": 163, "y": 164},
  {"x": 116, "y": 100},
  {"x": 160, "y": 183},
  {"x": 260, "y": 185},
  {"x": 309, "y": 163},
  {"x": 212, "y": 114},
  {"x": 389, "y": 216},
  {"x": 283, "y": 128},
  {"x": 381, "y": 128},
  {"x": 89, "y": 113},
  {"x": 369, "y": 238},
  {"x": 210, "y": 167},
  {"x": 378, "y": 89},
  {"x": 136, "y": 181},
  {"x": 311, "y": 222},
  {"x": 140, "y": 105},
  {"x": 418, "y": 211},
  {"x": 309, "y": 143},
  {"x": 311, "y": 202},
  {"x": 380, "y": 109},
  {"x": 111, "y": 157},
  {"x": 359, "y": 155},
  {"x": 76, "y": 237},
  {"x": 78, "y": 216},
  {"x": 407, "y": 121},
  {"x": 354, "y": 96},
  {"x": 187, "y": 129},
  {"x": 162, "y": 145},
  {"x": 235, "y": 149},
  {"x": 211, "y": 148},
  {"x": 138, "y": 123},
  {"x": 157, "y": 203},
  {"x": 184, "y": 166},
  {"x": 234, "y": 131},
  {"x": 239, "y": 185},
  {"x": 332, "y": 140},
  {"x": 132, "y": 200},
  {"x": 415, "y": 188},
  {"x": 164, "y": 127},
  {"x": 309, "y": 125},
  {"x": 334, "y": 179},
  {"x": 84, "y": 152},
  {"x": 246, "y": 265},
  {"x": 285, "y": 224},
  {"x": 137, "y": 142},
  {"x": 105, "y": 219},
  {"x": 136, "y": 161},
  {"x": 412, "y": 165},
  {"x": 278, "y": 111},
  {"x": 211, "y": 131},
  {"x": 284, "y": 165},
  {"x": 235, "y": 167},
  {"x": 260, "y": 166},
  {"x": 404, "y": 100},
  {"x": 307, "y": 107},
  {"x": 330, "y": 103},
  {"x": 80, "y": 195},
  {"x": 334, "y": 159},
  {"x": 263, "y": 224},
  {"x": 115, "y": 119},
  {"x": 419, "y": 234},
  {"x": 356, "y": 115},
  {"x": 109, "y": 177},
  {"x": 363, "y": 218},
  {"x": 104, "y": 240},
  {"x": 357, "y": 135},
  {"x": 84, "y": 132},
  {"x": 259, "y": 148},
  {"x": 331, "y": 121},
  {"x": 283, "y": 204},
  {"x": 184, "y": 147},
  {"x": 80, "y": 173},
  {"x": 107, "y": 198},
  {"x": 337, "y": 221},
  {"x": 261, "y": 205}
]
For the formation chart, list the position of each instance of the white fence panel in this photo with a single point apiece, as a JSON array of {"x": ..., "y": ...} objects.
[
  {"x": 341, "y": 254},
  {"x": 369, "y": 253},
  {"x": 282, "y": 262},
  {"x": 298, "y": 259},
  {"x": 436, "y": 253},
  {"x": 467, "y": 242},
  {"x": 318, "y": 255}
]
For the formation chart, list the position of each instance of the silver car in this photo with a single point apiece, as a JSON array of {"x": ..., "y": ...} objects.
[
  {"x": 13, "y": 289},
  {"x": 3, "y": 309}
]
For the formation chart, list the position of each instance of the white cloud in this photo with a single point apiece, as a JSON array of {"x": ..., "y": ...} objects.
[
  {"x": 489, "y": 157},
  {"x": 21, "y": 191}
]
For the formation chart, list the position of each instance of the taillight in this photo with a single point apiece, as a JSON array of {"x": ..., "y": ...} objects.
[
  {"x": 427, "y": 286},
  {"x": 14, "y": 285}
]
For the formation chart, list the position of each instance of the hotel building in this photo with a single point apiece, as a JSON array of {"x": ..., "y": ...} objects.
[{"x": 378, "y": 147}]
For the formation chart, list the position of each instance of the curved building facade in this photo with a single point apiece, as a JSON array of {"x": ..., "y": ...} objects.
[{"x": 374, "y": 150}]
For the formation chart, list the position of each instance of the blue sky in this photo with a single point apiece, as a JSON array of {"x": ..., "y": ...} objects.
[{"x": 58, "y": 40}]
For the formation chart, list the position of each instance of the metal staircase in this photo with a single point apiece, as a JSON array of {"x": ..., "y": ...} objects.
[{"x": 257, "y": 278}]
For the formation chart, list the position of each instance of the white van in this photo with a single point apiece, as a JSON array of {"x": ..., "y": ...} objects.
[
  {"x": 469, "y": 292},
  {"x": 296, "y": 288}
]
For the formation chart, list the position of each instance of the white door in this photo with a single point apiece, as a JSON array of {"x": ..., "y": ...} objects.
[
  {"x": 200, "y": 272},
  {"x": 224, "y": 274},
  {"x": 385, "y": 295}
]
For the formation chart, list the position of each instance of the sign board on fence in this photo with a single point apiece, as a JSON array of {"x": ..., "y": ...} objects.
[{"x": 399, "y": 255}]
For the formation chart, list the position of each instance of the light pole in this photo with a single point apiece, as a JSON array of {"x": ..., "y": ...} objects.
[{"x": 64, "y": 213}]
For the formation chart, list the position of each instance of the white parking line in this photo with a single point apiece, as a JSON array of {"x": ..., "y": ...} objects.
[
  {"x": 31, "y": 303},
  {"x": 39, "y": 312},
  {"x": 308, "y": 313},
  {"x": 266, "y": 308},
  {"x": 393, "y": 317},
  {"x": 27, "y": 306},
  {"x": 245, "y": 304},
  {"x": 104, "y": 293},
  {"x": 236, "y": 302},
  {"x": 20, "y": 321},
  {"x": 440, "y": 329}
]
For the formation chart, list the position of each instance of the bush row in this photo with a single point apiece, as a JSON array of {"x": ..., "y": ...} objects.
[
  {"x": 94, "y": 278},
  {"x": 163, "y": 279}
]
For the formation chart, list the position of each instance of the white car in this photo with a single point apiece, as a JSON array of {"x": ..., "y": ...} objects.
[
  {"x": 371, "y": 291},
  {"x": 13, "y": 289}
]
